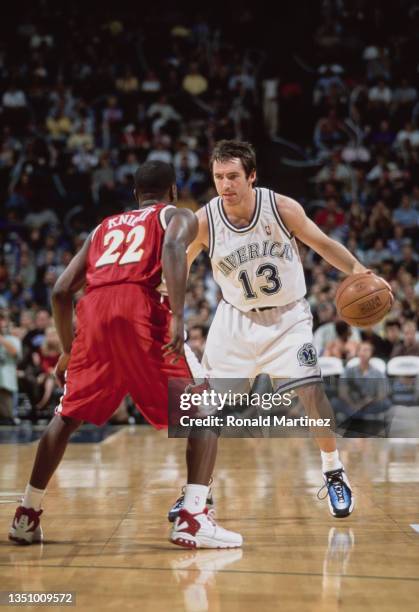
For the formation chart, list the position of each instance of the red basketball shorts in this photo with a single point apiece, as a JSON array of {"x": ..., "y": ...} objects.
[{"x": 117, "y": 351}]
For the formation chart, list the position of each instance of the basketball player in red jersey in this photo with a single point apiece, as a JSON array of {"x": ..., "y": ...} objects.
[{"x": 128, "y": 340}]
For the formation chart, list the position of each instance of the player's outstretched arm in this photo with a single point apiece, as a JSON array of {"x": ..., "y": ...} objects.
[
  {"x": 305, "y": 230},
  {"x": 68, "y": 283},
  {"x": 181, "y": 230}
]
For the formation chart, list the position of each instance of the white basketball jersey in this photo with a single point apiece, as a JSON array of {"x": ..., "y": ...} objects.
[{"x": 258, "y": 265}]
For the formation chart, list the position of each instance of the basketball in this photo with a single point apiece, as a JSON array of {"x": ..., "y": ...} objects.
[{"x": 363, "y": 299}]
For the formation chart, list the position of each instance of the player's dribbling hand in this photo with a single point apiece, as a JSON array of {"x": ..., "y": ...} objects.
[
  {"x": 358, "y": 269},
  {"x": 61, "y": 367},
  {"x": 177, "y": 333}
]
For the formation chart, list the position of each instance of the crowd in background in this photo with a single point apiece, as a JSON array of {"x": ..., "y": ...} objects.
[{"x": 85, "y": 99}]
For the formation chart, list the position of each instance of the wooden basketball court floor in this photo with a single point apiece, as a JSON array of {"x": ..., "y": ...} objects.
[{"x": 106, "y": 530}]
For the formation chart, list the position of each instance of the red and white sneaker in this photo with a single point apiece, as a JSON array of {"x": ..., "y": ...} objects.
[
  {"x": 201, "y": 531},
  {"x": 26, "y": 528}
]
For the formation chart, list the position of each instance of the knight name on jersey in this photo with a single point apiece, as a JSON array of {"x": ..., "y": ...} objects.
[
  {"x": 129, "y": 218},
  {"x": 254, "y": 250}
]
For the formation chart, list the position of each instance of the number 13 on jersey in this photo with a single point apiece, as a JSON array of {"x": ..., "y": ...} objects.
[{"x": 270, "y": 272}]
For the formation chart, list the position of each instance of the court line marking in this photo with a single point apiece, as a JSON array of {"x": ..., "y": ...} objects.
[
  {"x": 9, "y": 493},
  {"x": 256, "y": 572}
]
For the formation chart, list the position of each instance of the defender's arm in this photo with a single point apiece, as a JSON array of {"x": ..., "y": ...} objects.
[
  {"x": 68, "y": 283},
  {"x": 201, "y": 241},
  {"x": 182, "y": 228}
]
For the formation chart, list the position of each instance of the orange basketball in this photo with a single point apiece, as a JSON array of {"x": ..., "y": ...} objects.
[{"x": 363, "y": 299}]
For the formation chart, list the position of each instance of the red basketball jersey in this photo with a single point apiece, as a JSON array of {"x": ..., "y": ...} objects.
[{"x": 127, "y": 248}]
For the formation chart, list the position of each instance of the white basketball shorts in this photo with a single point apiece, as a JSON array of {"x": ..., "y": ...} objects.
[{"x": 277, "y": 342}]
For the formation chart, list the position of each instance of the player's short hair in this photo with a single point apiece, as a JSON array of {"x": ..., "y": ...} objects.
[
  {"x": 154, "y": 178},
  {"x": 225, "y": 150}
]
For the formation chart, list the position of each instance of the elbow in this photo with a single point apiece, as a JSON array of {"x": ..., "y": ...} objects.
[
  {"x": 60, "y": 292},
  {"x": 174, "y": 247}
]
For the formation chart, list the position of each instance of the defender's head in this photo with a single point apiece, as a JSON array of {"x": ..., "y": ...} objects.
[
  {"x": 155, "y": 180},
  {"x": 233, "y": 167}
]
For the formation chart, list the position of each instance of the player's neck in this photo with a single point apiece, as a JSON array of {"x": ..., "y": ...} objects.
[
  {"x": 243, "y": 209},
  {"x": 149, "y": 202}
]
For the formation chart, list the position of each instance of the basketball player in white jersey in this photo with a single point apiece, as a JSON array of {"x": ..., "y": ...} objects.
[{"x": 263, "y": 322}]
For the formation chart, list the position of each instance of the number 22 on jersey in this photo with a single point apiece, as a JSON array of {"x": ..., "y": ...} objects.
[{"x": 116, "y": 242}]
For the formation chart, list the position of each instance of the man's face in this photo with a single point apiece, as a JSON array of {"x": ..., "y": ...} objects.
[
  {"x": 196, "y": 339},
  {"x": 365, "y": 352},
  {"x": 326, "y": 313},
  {"x": 409, "y": 332},
  {"x": 231, "y": 182},
  {"x": 42, "y": 319},
  {"x": 393, "y": 333}
]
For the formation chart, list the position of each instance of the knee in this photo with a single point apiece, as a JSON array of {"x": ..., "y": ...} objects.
[{"x": 69, "y": 423}]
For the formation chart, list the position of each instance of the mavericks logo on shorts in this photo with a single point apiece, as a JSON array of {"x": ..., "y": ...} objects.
[{"x": 307, "y": 355}]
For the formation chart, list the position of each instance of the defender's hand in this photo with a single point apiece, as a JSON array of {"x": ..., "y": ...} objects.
[
  {"x": 177, "y": 333},
  {"x": 61, "y": 367}
]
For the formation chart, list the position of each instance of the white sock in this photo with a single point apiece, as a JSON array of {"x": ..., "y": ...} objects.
[
  {"x": 330, "y": 461},
  {"x": 195, "y": 498},
  {"x": 33, "y": 497}
]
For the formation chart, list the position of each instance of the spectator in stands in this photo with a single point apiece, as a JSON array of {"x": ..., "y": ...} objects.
[
  {"x": 406, "y": 215},
  {"x": 330, "y": 132},
  {"x": 194, "y": 82},
  {"x": 10, "y": 352},
  {"x": 408, "y": 259},
  {"x": 376, "y": 255},
  {"x": 161, "y": 151},
  {"x": 382, "y": 137},
  {"x": 196, "y": 339},
  {"x": 187, "y": 156},
  {"x": 396, "y": 242},
  {"x": 331, "y": 217},
  {"x": 128, "y": 168},
  {"x": 363, "y": 389},
  {"x": 409, "y": 344},
  {"x": 408, "y": 135},
  {"x": 335, "y": 171},
  {"x": 380, "y": 226},
  {"x": 162, "y": 113},
  {"x": 392, "y": 332},
  {"x": 33, "y": 340},
  {"x": 404, "y": 97},
  {"x": 151, "y": 85},
  {"x": 46, "y": 360},
  {"x": 343, "y": 346},
  {"x": 103, "y": 180},
  {"x": 380, "y": 95}
]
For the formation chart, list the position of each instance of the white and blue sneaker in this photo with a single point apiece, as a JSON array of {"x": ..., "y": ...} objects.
[
  {"x": 339, "y": 492},
  {"x": 178, "y": 505}
]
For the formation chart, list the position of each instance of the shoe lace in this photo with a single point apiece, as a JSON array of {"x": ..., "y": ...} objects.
[{"x": 335, "y": 481}]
